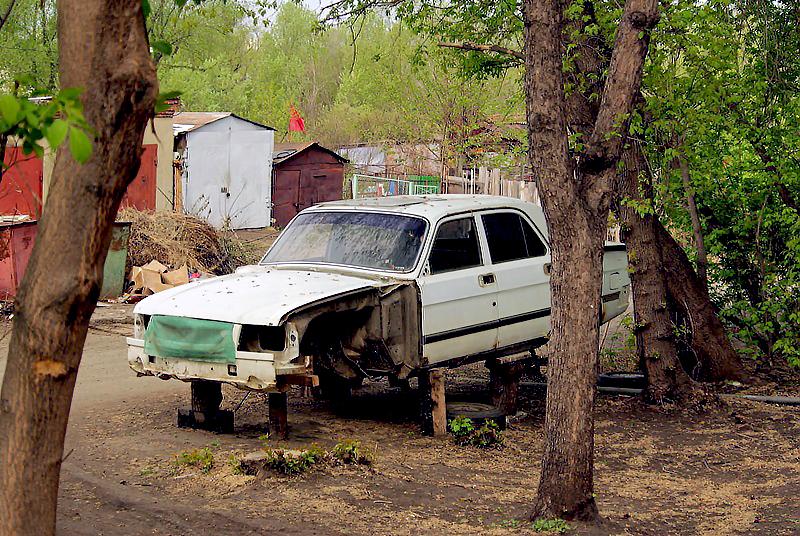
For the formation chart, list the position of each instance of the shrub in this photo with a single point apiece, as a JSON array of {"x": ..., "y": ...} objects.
[
  {"x": 465, "y": 433},
  {"x": 350, "y": 452},
  {"x": 292, "y": 462}
]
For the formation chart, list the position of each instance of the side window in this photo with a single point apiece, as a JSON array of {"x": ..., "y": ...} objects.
[
  {"x": 455, "y": 246},
  {"x": 511, "y": 237}
]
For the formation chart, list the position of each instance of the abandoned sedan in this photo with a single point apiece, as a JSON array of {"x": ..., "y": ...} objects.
[{"x": 368, "y": 288}]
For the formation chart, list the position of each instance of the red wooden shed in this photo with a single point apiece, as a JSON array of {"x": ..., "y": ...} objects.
[{"x": 304, "y": 174}]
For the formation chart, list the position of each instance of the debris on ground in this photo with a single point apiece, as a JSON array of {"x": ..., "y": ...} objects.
[
  {"x": 154, "y": 277},
  {"x": 175, "y": 239}
]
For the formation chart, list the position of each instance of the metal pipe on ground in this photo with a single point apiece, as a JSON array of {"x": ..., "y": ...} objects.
[{"x": 627, "y": 391}]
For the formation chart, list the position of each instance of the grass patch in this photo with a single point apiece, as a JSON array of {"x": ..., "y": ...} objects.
[
  {"x": 554, "y": 526},
  {"x": 465, "y": 433},
  {"x": 202, "y": 459}
]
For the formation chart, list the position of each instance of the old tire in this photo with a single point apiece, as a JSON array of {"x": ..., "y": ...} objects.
[{"x": 477, "y": 412}]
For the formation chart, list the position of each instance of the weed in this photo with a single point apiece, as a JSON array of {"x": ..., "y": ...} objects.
[
  {"x": 215, "y": 444},
  {"x": 147, "y": 471},
  {"x": 235, "y": 464},
  {"x": 557, "y": 526},
  {"x": 203, "y": 459},
  {"x": 465, "y": 433},
  {"x": 350, "y": 452},
  {"x": 292, "y": 462}
]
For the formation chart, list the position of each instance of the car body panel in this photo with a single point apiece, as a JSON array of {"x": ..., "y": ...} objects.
[{"x": 408, "y": 321}]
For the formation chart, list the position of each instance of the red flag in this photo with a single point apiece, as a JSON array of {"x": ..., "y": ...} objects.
[{"x": 296, "y": 122}]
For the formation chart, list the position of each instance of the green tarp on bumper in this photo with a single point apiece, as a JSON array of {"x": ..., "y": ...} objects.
[{"x": 190, "y": 338}]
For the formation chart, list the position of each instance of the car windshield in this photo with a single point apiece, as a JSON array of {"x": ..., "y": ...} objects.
[{"x": 361, "y": 239}]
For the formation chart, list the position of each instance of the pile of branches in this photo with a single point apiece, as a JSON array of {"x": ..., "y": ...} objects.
[{"x": 174, "y": 239}]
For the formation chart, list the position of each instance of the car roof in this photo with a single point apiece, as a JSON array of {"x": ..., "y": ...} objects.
[{"x": 433, "y": 207}]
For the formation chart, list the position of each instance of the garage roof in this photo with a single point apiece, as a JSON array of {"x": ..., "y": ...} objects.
[
  {"x": 286, "y": 151},
  {"x": 188, "y": 121}
]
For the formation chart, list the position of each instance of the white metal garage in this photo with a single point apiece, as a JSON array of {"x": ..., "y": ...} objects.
[{"x": 226, "y": 168}]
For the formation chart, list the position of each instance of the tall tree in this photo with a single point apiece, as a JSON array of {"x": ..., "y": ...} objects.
[
  {"x": 103, "y": 48},
  {"x": 576, "y": 196},
  {"x": 667, "y": 381}
]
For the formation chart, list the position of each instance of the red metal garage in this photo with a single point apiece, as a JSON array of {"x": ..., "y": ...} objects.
[
  {"x": 304, "y": 174},
  {"x": 21, "y": 188}
]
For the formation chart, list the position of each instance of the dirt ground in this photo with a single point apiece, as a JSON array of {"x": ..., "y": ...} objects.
[{"x": 735, "y": 470}]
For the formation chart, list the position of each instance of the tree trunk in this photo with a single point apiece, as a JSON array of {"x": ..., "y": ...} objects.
[
  {"x": 697, "y": 229},
  {"x": 655, "y": 338},
  {"x": 576, "y": 203},
  {"x": 103, "y": 48},
  {"x": 716, "y": 358}
]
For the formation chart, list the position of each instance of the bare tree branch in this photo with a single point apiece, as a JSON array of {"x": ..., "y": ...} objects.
[
  {"x": 7, "y": 14},
  {"x": 484, "y": 48}
]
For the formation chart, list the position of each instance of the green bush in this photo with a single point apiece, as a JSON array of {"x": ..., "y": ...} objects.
[
  {"x": 465, "y": 433},
  {"x": 350, "y": 452},
  {"x": 292, "y": 462}
]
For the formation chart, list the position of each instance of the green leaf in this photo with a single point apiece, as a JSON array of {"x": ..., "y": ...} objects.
[
  {"x": 146, "y": 8},
  {"x": 79, "y": 145},
  {"x": 162, "y": 47},
  {"x": 9, "y": 108},
  {"x": 70, "y": 93},
  {"x": 56, "y": 133}
]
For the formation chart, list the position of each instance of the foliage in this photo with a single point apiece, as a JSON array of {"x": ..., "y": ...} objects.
[
  {"x": 464, "y": 432},
  {"x": 556, "y": 526},
  {"x": 618, "y": 349},
  {"x": 350, "y": 452},
  {"x": 722, "y": 95},
  {"x": 55, "y": 121},
  {"x": 292, "y": 462},
  {"x": 202, "y": 459}
]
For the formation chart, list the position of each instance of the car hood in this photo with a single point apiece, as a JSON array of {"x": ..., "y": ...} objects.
[{"x": 256, "y": 295}]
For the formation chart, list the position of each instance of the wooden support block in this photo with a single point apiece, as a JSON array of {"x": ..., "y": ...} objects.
[
  {"x": 433, "y": 403},
  {"x": 205, "y": 413},
  {"x": 206, "y": 396},
  {"x": 504, "y": 385},
  {"x": 303, "y": 380},
  {"x": 278, "y": 415}
]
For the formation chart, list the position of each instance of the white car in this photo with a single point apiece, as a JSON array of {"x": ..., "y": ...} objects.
[{"x": 368, "y": 288}]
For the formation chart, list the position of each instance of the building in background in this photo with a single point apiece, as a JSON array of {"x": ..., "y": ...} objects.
[
  {"x": 224, "y": 169},
  {"x": 26, "y": 183},
  {"x": 304, "y": 174}
]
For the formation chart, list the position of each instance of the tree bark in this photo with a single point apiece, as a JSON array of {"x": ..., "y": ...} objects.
[
  {"x": 667, "y": 381},
  {"x": 566, "y": 486},
  {"x": 697, "y": 228},
  {"x": 103, "y": 48},
  {"x": 716, "y": 358},
  {"x": 576, "y": 203}
]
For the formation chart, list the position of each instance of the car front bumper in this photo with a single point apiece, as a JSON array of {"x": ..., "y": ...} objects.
[{"x": 252, "y": 370}]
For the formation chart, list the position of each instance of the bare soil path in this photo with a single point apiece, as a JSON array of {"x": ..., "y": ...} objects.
[{"x": 730, "y": 471}]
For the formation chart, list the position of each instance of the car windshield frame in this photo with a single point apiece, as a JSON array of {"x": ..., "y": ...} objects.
[{"x": 412, "y": 269}]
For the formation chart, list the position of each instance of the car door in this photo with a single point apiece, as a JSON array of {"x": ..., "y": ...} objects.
[
  {"x": 459, "y": 298},
  {"x": 520, "y": 261}
]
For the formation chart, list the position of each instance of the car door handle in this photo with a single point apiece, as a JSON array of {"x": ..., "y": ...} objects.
[
  {"x": 485, "y": 279},
  {"x": 547, "y": 267}
]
